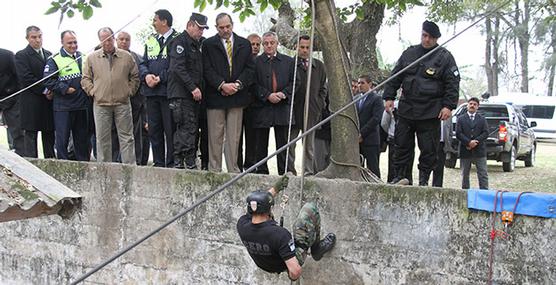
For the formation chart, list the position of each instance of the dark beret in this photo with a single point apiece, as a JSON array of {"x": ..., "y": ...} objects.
[{"x": 432, "y": 29}]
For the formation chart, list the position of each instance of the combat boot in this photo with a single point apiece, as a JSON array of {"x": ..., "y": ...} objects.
[{"x": 323, "y": 246}]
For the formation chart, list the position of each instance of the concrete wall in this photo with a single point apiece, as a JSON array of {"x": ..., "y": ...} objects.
[{"x": 386, "y": 235}]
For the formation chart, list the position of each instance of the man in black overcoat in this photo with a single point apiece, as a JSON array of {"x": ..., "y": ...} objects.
[{"x": 36, "y": 102}]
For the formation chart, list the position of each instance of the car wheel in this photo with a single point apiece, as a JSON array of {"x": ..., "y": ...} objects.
[
  {"x": 510, "y": 166},
  {"x": 530, "y": 159}
]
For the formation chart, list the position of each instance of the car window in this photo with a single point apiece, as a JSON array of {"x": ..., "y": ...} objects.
[
  {"x": 538, "y": 111},
  {"x": 494, "y": 111}
]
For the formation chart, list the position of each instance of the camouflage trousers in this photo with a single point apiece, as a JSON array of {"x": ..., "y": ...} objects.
[{"x": 306, "y": 230}]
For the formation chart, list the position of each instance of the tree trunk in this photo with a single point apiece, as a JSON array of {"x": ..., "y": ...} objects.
[
  {"x": 344, "y": 146},
  {"x": 550, "y": 89},
  {"x": 552, "y": 61},
  {"x": 496, "y": 55},
  {"x": 523, "y": 36},
  {"x": 488, "y": 55},
  {"x": 360, "y": 38}
]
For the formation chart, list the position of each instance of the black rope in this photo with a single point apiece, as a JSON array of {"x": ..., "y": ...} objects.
[{"x": 250, "y": 169}]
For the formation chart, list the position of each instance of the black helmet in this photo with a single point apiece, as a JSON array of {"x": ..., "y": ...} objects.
[{"x": 259, "y": 202}]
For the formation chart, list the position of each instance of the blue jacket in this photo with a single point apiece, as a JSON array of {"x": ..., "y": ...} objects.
[
  {"x": 61, "y": 100},
  {"x": 158, "y": 66}
]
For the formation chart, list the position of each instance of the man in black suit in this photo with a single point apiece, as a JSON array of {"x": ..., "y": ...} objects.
[
  {"x": 228, "y": 71},
  {"x": 472, "y": 132},
  {"x": 369, "y": 110},
  {"x": 274, "y": 73},
  {"x": 10, "y": 107},
  {"x": 36, "y": 102}
]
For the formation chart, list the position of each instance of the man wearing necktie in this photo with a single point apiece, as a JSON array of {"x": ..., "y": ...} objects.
[
  {"x": 36, "y": 102},
  {"x": 274, "y": 74},
  {"x": 369, "y": 110},
  {"x": 153, "y": 72},
  {"x": 317, "y": 100},
  {"x": 228, "y": 72},
  {"x": 472, "y": 132}
]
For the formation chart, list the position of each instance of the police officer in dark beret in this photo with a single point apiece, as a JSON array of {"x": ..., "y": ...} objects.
[
  {"x": 429, "y": 93},
  {"x": 185, "y": 76}
]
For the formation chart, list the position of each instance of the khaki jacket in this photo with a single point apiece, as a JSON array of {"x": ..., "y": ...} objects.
[{"x": 110, "y": 86}]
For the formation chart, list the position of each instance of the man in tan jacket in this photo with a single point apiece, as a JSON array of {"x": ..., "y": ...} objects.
[{"x": 111, "y": 77}]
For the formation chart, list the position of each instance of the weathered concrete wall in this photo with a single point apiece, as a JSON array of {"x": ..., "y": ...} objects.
[{"x": 386, "y": 235}]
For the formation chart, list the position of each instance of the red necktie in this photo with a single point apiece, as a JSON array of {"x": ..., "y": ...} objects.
[{"x": 274, "y": 81}]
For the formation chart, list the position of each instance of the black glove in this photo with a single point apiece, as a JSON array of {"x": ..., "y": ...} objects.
[{"x": 281, "y": 184}]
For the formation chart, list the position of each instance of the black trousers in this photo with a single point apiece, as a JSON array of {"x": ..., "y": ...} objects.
[
  {"x": 76, "y": 124},
  {"x": 11, "y": 119},
  {"x": 161, "y": 131},
  {"x": 185, "y": 113},
  {"x": 30, "y": 142},
  {"x": 240, "y": 145},
  {"x": 438, "y": 172},
  {"x": 428, "y": 138},
  {"x": 392, "y": 170},
  {"x": 202, "y": 137},
  {"x": 371, "y": 155},
  {"x": 261, "y": 148},
  {"x": 281, "y": 138},
  {"x": 250, "y": 147}
]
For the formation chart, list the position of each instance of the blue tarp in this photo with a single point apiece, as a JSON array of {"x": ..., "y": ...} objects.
[{"x": 530, "y": 204}]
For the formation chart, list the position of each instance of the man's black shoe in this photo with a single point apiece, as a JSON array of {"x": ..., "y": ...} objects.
[{"x": 323, "y": 246}]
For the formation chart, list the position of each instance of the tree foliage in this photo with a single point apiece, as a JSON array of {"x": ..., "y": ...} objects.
[{"x": 70, "y": 7}]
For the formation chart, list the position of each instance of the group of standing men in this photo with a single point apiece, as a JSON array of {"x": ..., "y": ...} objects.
[{"x": 186, "y": 92}]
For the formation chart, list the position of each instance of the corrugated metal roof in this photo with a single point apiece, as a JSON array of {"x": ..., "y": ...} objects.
[{"x": 26, "y": 191}]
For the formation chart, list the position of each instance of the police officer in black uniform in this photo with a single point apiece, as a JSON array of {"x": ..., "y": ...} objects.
[
  {"x": 270, "y": 245},
  {"x": 184, "y": 89},
  {"x": 430, "y": 90}
]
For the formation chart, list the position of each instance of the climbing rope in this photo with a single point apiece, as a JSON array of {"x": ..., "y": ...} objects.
[{"x": 250, "y": 169}]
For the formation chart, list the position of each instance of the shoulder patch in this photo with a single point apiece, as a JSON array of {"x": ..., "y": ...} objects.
[
  {"x": 291, "y": 243},
  {"x": 179, "y": 49},
  {"x": 455, "y": 71}
]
